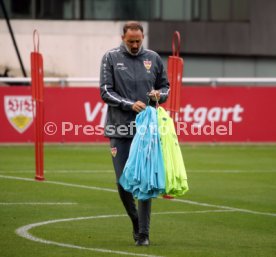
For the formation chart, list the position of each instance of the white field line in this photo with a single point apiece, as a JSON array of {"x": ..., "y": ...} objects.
[
  {"x": 60, "y": 183},
  {"x": 111, "y": 171},
  {"x": 79, "y": 171},
  {"x": 190, "y": 212},
  {"x": 57, "y": 171},
  {"x": 25, "y": 231},
  {"x": 173, "y": 200},
  {"x": 232, "y": 171},
  {"x": 37, "y": 203},
  {"x": 224, "y": 207}
]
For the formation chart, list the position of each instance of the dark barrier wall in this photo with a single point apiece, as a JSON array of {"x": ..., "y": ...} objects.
[
  {"x": 256, "y": 37},
  {"x": 207, "y": 114}
]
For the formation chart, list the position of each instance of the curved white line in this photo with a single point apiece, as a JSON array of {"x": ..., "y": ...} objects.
[{"x": 25, "y": 231}]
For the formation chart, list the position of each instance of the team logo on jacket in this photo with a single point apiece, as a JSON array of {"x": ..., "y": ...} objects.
[
  {"x": 147, "y": 65},
  {"x": 114, "y": 151},
  {"x": 19, "y": 111}
]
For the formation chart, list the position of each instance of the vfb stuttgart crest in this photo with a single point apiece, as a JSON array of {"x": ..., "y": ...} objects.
[
  {"x": 113, "y": 151},
  {"x": 147, "y": 65},
  {"x": 19, "y": 111}
]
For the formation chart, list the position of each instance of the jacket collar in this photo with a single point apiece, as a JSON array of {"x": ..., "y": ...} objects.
[{"x": 125, "y": 50}]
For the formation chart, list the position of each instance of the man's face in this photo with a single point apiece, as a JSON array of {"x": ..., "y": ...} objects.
[{"x": 133, "y": 40}]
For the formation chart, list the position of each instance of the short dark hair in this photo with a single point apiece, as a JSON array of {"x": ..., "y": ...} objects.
[{"x": 133, "y": 25}]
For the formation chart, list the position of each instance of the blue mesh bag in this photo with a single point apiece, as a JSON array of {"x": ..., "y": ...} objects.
[{"x": 144, "y": 174}]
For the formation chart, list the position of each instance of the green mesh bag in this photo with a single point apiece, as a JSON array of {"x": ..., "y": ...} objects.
[{"x": 175, "y": 172}]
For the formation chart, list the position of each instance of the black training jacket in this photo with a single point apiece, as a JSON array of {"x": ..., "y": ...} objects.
[{"x": 125, "y": 79}]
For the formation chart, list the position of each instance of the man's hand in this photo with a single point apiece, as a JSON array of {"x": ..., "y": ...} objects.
[
  {"x": 138, "y": 106},
  {"x": 154, "y": 95}
]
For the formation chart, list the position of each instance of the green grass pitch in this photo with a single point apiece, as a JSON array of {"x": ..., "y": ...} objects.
[{"x": 230, "y": 210}]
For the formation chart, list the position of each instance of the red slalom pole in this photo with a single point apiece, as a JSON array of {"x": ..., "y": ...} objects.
[
  {"x": 175, "y": 72},
  {"x": 38, "y": 106}
]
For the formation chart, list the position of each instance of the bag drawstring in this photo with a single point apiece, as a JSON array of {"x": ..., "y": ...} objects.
[{"x": 156, "y": 100}]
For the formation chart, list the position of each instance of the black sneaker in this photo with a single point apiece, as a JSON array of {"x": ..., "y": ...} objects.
[{"x": 143, "y": 240}]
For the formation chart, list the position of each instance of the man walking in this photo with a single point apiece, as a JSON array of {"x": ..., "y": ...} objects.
[{"x": 131, "y": 77}]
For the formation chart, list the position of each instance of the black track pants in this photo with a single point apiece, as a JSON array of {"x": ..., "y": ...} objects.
[{"x": 120, "y": 150}]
